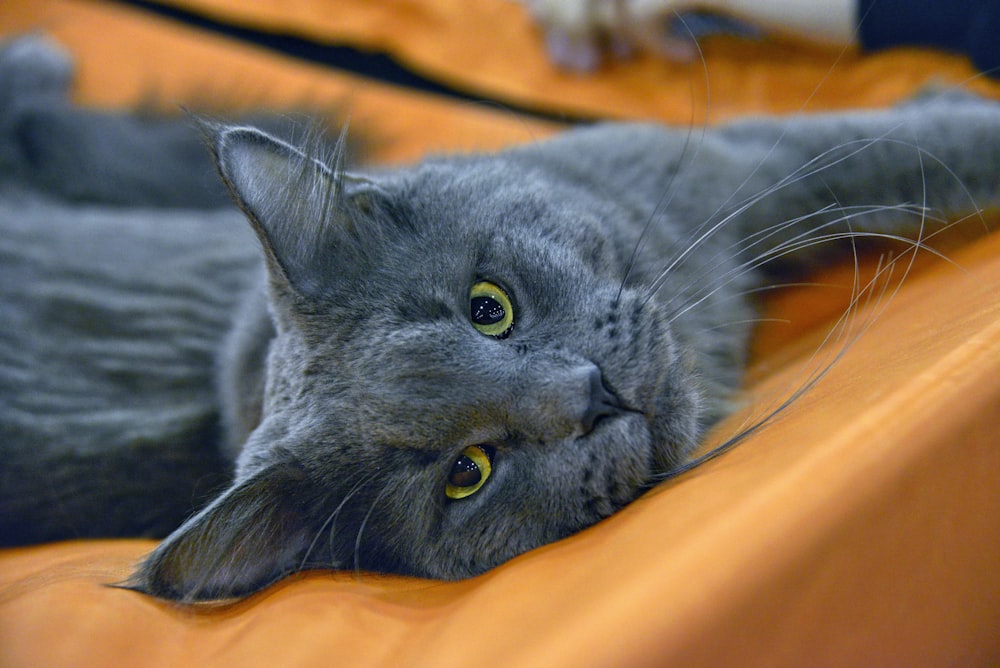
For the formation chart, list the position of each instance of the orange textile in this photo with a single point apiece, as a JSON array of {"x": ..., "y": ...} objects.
[{"x": 859, "y": 528}]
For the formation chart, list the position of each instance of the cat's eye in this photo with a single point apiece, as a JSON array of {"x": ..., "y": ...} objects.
[
  {"x": 490, "y": 310},
  {"x": 469, "y": 472}
]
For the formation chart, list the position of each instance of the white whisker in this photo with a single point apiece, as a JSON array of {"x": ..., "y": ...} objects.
[
  {"x": 673, "y": 186},
  {"x": 330, "y": 523},
  {"x": 746, "y": 321}
]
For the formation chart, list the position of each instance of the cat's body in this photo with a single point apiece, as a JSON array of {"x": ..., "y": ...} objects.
[{"x": 432, "y": 369}]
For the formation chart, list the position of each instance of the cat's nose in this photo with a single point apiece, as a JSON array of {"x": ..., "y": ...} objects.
[
  {"x": 603, "y": 403},
  {"x": 582, "y": 400},
  {"x": 565, "y": 402}
]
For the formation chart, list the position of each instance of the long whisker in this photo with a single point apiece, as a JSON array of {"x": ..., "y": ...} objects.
[
  {"x": 745, "y": 321},
  {"x": 363, "y": 526},
  {"x": 727, "y": 219},
  {"x": 675, "y": 179},
  {"x": 797, "y": 243},
  {"x": 776, "y": 286},
  {"x": 750, "y": 241},
  {"x": 804, "y": 171},
  {"x": 805, "y": 103},
  {"x": 331, "y": 520},
  {"x": 794, "y": 248},
  {"x": 922, "y": 211},
  {"x": 837, "y": 332},
  {"x": 874, "y": 307},
  {"x": 799, "y": 174}
]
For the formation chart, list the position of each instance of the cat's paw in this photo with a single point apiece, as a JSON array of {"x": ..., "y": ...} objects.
[
  {"x": 941, "y": 92},
  {"x": 33, "y": 67}
]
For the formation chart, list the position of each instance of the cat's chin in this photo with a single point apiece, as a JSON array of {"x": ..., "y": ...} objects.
[{"x": 627, "y": 444}]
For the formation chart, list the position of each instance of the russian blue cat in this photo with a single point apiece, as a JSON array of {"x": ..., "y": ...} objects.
[{"x": 425, "y": 370}]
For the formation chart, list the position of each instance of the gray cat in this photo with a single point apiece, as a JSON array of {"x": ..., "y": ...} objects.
[{"x": 427, "y": 370}]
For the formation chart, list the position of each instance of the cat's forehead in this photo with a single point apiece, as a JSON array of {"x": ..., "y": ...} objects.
[
  {"x": 495, "y": 204},
  {"x": 483, "y": 184}
]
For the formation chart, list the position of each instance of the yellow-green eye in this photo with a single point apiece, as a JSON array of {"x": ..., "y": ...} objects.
[
  {"x": 469, "y": 472},
  {"x": 490, "y": 310}
]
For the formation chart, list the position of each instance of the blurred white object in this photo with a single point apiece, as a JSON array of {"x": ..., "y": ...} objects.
[{"x": 579, "y": 34}]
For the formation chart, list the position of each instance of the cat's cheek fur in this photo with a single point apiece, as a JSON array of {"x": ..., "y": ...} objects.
[
  {"x": 681, "y": 417},
  {"x": 532, "y": 500}
]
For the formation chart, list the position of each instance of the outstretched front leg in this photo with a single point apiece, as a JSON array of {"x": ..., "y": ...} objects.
[{"x": 902, "y": 172}]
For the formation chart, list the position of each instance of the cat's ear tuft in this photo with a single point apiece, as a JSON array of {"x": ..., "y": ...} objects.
[
  {"x": 290, "y": 198},
  {"x": 248, "y": 538}
]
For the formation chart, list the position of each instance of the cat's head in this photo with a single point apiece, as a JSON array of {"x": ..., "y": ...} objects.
[{"x": 459, "y": 374}]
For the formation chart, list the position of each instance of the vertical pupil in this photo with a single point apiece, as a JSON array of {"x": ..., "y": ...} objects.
[
  {"x": 486, "y": 311},
  {"x": 464, "y": 473}
]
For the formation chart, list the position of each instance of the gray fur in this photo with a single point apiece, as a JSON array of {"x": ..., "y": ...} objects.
[{"x": 351, "y": 378}]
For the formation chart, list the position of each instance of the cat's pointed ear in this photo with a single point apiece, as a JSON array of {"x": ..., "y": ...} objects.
[
  {"x": 246, "y": 539},
  {"x": 295, "y": 203}
]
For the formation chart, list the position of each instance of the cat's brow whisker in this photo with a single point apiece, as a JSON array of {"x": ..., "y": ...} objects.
[
  {"x": 664, "y": 201},
  {"x": 675, "y": 179},
  {"x": 763, "y": 160}
]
